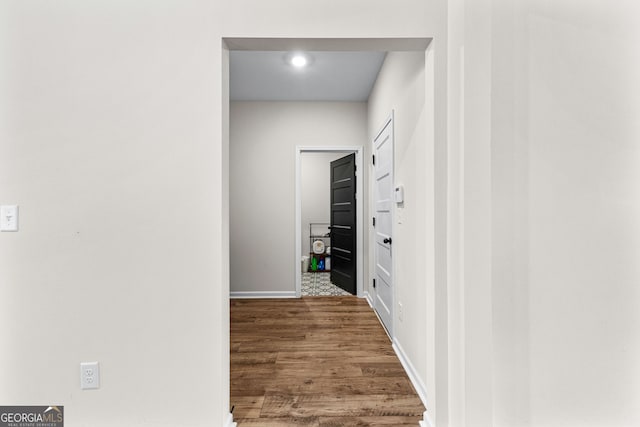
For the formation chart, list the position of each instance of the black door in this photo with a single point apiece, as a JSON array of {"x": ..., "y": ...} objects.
[{"x": 343, "y": 223}]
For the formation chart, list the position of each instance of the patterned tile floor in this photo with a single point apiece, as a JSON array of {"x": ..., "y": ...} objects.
[{"x": 319, "y": 284}]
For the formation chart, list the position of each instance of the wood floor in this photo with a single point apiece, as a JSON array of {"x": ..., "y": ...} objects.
[{"x": 316, "y": 361}]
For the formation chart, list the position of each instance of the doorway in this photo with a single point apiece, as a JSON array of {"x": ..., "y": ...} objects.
[
  {"x": 303, "y": 221},
  {"x": 414, "y": 295}
]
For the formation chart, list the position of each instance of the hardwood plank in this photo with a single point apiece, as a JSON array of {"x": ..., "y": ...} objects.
[
  {"x": 330, "y": 422},
  {"x": 248, "y": 406},
  {"x": 259, "y": 371},
  {"x": 318, "y": 371},
  {"x": 307, "y": 346},
  {"x": 369, "y": 421},
  {"x": 322, "y": 405},
  {"x": 340, "y": 386},
  {"x": 386, "y": 355},
  {"x": 281, "y": 422},
  {"x": 294, "y": 385},
  {"x": 253, "y": 358},
  {"x": 382, "y": 369}
]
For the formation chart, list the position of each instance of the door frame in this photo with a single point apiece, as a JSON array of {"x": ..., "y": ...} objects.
[
  {"x": 443, "y": 329},
  {"x": 358, "y": 150}
]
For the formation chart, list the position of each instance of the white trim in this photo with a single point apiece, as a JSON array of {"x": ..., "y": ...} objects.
[
  {"x": 354, "y": 44},
  {"x": 408, "y": 368},
  {"x": 359, "y": 213},
  {"x": 367, "y": 296},
  {"x": 371, "y": 302},
  {"x": 262, "y": 294},
  {"x": 402, "y": 44},
  {"x": 411, "y": 372},
  {"x": 229, "y": 422},
  {"x": 394, "y": 228}
]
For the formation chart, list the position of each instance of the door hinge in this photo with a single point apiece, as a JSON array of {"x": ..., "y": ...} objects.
[
  {"x": 374, "y": 221},
  {"x": 374, "y": 159},
  {"x": 374, "y": 283}
]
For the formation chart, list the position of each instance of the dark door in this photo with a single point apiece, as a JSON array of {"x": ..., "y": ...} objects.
[{"x": 343, "y": 223}]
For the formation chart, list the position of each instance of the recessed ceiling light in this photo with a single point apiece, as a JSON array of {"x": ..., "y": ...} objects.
[{"x": 298, "y": 60}]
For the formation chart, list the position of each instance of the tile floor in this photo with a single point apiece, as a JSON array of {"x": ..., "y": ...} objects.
[{"x": 319, "y": 284}]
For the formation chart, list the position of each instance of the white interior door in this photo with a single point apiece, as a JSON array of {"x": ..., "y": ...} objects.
[{"x": 383, "y": 199}]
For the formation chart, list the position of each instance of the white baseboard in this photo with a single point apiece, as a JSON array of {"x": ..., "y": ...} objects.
[
  {"x": 416, "y": 381},
  {"x": 263, "y": 294},
  {"x": 367, "y": 296},
  {"x": 411, "y": 372},
  {"x": 409, "y": 369},
  {"x": 229, "y": 422}
]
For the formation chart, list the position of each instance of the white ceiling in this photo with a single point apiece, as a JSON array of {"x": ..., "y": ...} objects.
[{"x": 331, "y": 76}]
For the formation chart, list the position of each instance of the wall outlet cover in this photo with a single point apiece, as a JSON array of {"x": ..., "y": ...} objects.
[{"x": 89, "y": 375}]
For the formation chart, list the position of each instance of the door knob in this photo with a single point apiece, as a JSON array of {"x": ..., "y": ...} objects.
[{"x": 387, "y": 240}]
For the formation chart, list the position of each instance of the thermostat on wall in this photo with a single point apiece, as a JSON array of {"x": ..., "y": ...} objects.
[{"x": 400, "y": 194}]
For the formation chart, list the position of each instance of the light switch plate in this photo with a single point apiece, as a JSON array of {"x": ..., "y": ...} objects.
[
  {"x": 399, "y": 194},
  {"x": 9, "y": 218}
]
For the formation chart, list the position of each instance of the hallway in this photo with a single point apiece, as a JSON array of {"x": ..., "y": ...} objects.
[{"x": 317, "y": 361}]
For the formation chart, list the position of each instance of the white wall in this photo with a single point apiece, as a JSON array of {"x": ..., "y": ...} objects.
[
  {"x": 315, "y": 176},
  {"x": 401, "y": 87},
  {"x": 545, "y": 199},
  {"x": 116, "y": 106},
  {"x": 263, "y": 140},
  {"x": 106, "y": 144},
  {"x": 580, "y": 114},
  {"x": 112, "y": 109}
]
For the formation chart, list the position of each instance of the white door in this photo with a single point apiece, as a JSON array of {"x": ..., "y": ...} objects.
[{"x": 383, "y": 199}]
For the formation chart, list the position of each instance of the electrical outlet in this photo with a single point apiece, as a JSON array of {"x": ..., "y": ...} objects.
[
  {"x": 89, "y": 375},
  {"x": 400, "y": 311}
]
